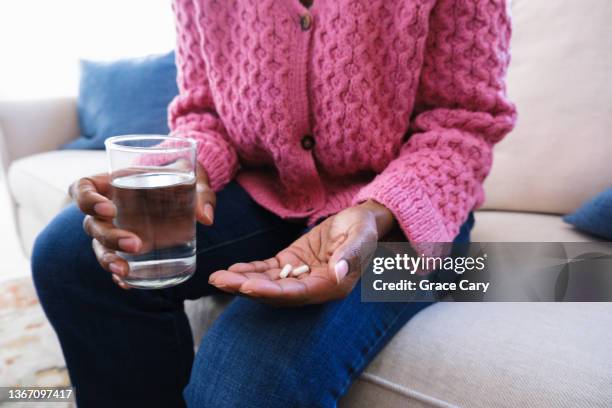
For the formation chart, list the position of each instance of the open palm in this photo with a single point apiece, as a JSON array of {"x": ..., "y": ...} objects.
[{"x": 333, "y": 250}]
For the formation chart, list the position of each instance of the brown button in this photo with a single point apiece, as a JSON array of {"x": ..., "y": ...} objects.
[
  {"x": 308, "y": 142},
  {"x": 306, "y": 21},
  {"x": 306, "y": 3}
]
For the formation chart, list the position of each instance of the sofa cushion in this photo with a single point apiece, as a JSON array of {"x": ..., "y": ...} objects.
[
  {"x": 494, "y": 355},
  {"x": 558, "y": 156},
  {"x": 39, "y": 183},
  {"x": 128, "y": 96}
]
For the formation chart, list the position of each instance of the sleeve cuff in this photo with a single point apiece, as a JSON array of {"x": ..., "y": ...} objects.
[
  {"x": 215, "y": 155},
  {"x": 405, "y": 197}
]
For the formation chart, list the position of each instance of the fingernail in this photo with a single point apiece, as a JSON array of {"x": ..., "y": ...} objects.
[
  {"x": 120, "y": 282},
  {"x": 106, "y": 209},
  {"x": 115, "y": 268},
  {"x": 341, "y": 268},
  {"x": 211, "y": 279},
  {"x": 129, "y": 244},
  {"x": 209, "y": 211}
]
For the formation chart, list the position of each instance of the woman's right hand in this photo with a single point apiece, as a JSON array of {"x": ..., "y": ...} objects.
[{"x": 93, "y": 197}]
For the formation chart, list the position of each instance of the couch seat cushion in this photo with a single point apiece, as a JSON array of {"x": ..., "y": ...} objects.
[
  {"x": 494, "y": 355},
  {"x": 39, "y": 183}
]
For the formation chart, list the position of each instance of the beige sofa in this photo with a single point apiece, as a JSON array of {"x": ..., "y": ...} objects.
[{"x": 476, "y": 355}]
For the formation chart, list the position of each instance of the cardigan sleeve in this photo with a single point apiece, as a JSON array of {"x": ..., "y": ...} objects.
[
  {"x": 192, "y": 113},
  {"x": 461, "y": 111}
]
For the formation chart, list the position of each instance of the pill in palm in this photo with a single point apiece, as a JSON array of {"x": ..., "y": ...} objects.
[
  {"x": 300, "y": 270},
  {"x": 285, "y": 271}
]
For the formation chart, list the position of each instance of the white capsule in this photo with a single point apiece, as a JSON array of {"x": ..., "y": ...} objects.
[
  {"x": 300, "y": 270},
  {"x": 285, "y": 271}
]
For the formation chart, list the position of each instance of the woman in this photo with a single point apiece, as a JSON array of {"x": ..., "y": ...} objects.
[{"x": 321, "y": 127}]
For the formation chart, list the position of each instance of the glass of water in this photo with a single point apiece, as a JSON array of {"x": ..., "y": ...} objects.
[{"x": 153, "y": 181}]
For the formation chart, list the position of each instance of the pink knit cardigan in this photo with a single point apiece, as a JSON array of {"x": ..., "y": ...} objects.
[{"x": 316, "y": 109}]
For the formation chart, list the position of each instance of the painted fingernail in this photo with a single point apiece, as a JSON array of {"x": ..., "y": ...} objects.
[
  {"x": 341, "y": 268},
  {"x": 106, "y": 209},
  {"x": 209, "y": 212},
  {"x": 115, "y": 268},
  {"x": 129, "y": 244},
  {"x": 121, "y": 283}
]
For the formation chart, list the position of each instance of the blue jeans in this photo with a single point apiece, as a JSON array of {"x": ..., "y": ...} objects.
[{"x": 135, "y": 349}]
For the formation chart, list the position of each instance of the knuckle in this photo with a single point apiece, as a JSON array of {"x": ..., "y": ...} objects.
[
  {"x": 81, "y": 186},
  {"x": 80, "y": 204},
  {"x": 204, "y": 189},
  {"x": 105, "y": 239},
  {"x": 87, "y": 224}
]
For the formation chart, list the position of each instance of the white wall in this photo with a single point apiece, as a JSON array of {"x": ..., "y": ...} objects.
[{"x": 41, "y": 41}]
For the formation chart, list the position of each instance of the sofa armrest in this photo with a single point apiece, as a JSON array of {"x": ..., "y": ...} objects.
[{"x": 29, "y": 127}]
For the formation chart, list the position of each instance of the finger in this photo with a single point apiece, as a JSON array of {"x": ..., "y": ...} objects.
[
  {"x": 90, "y": 194},
  {"x": 255, "y": 266},
  {"x": 264, "y": 288},
  {"x": 292, "y": 291},
  {"x": 231, "y": 279},
  {"x": 121, "y": 283},
  {"x": 111, "y": 237},
  {"x": 206, "y": 198},
  {"x": 349, "y": 256},
  {"x": 227, "y": 281},
  {"x": 242, "y": 267},
  {"x": 109, "y": 260}
]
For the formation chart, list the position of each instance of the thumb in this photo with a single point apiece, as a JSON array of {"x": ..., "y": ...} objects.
[
  {"x": 206, "y": 198},
  {"x": 348, "y": 258}
]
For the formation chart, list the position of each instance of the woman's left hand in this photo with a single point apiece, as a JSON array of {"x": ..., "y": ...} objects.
[{"x": 333, "y": 250}]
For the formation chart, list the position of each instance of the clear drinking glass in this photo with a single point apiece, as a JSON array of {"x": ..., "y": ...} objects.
[{"x": 153, "y": 187}]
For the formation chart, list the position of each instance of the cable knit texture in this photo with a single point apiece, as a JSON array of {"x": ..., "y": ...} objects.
[{"x": 404, "y": 100}]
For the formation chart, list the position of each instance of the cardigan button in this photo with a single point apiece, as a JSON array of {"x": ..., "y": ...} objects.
[
  {"x": 307, "y": 142},
  {"x": 306, "y": 22},
  {"x": 306, "y": 3}
]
